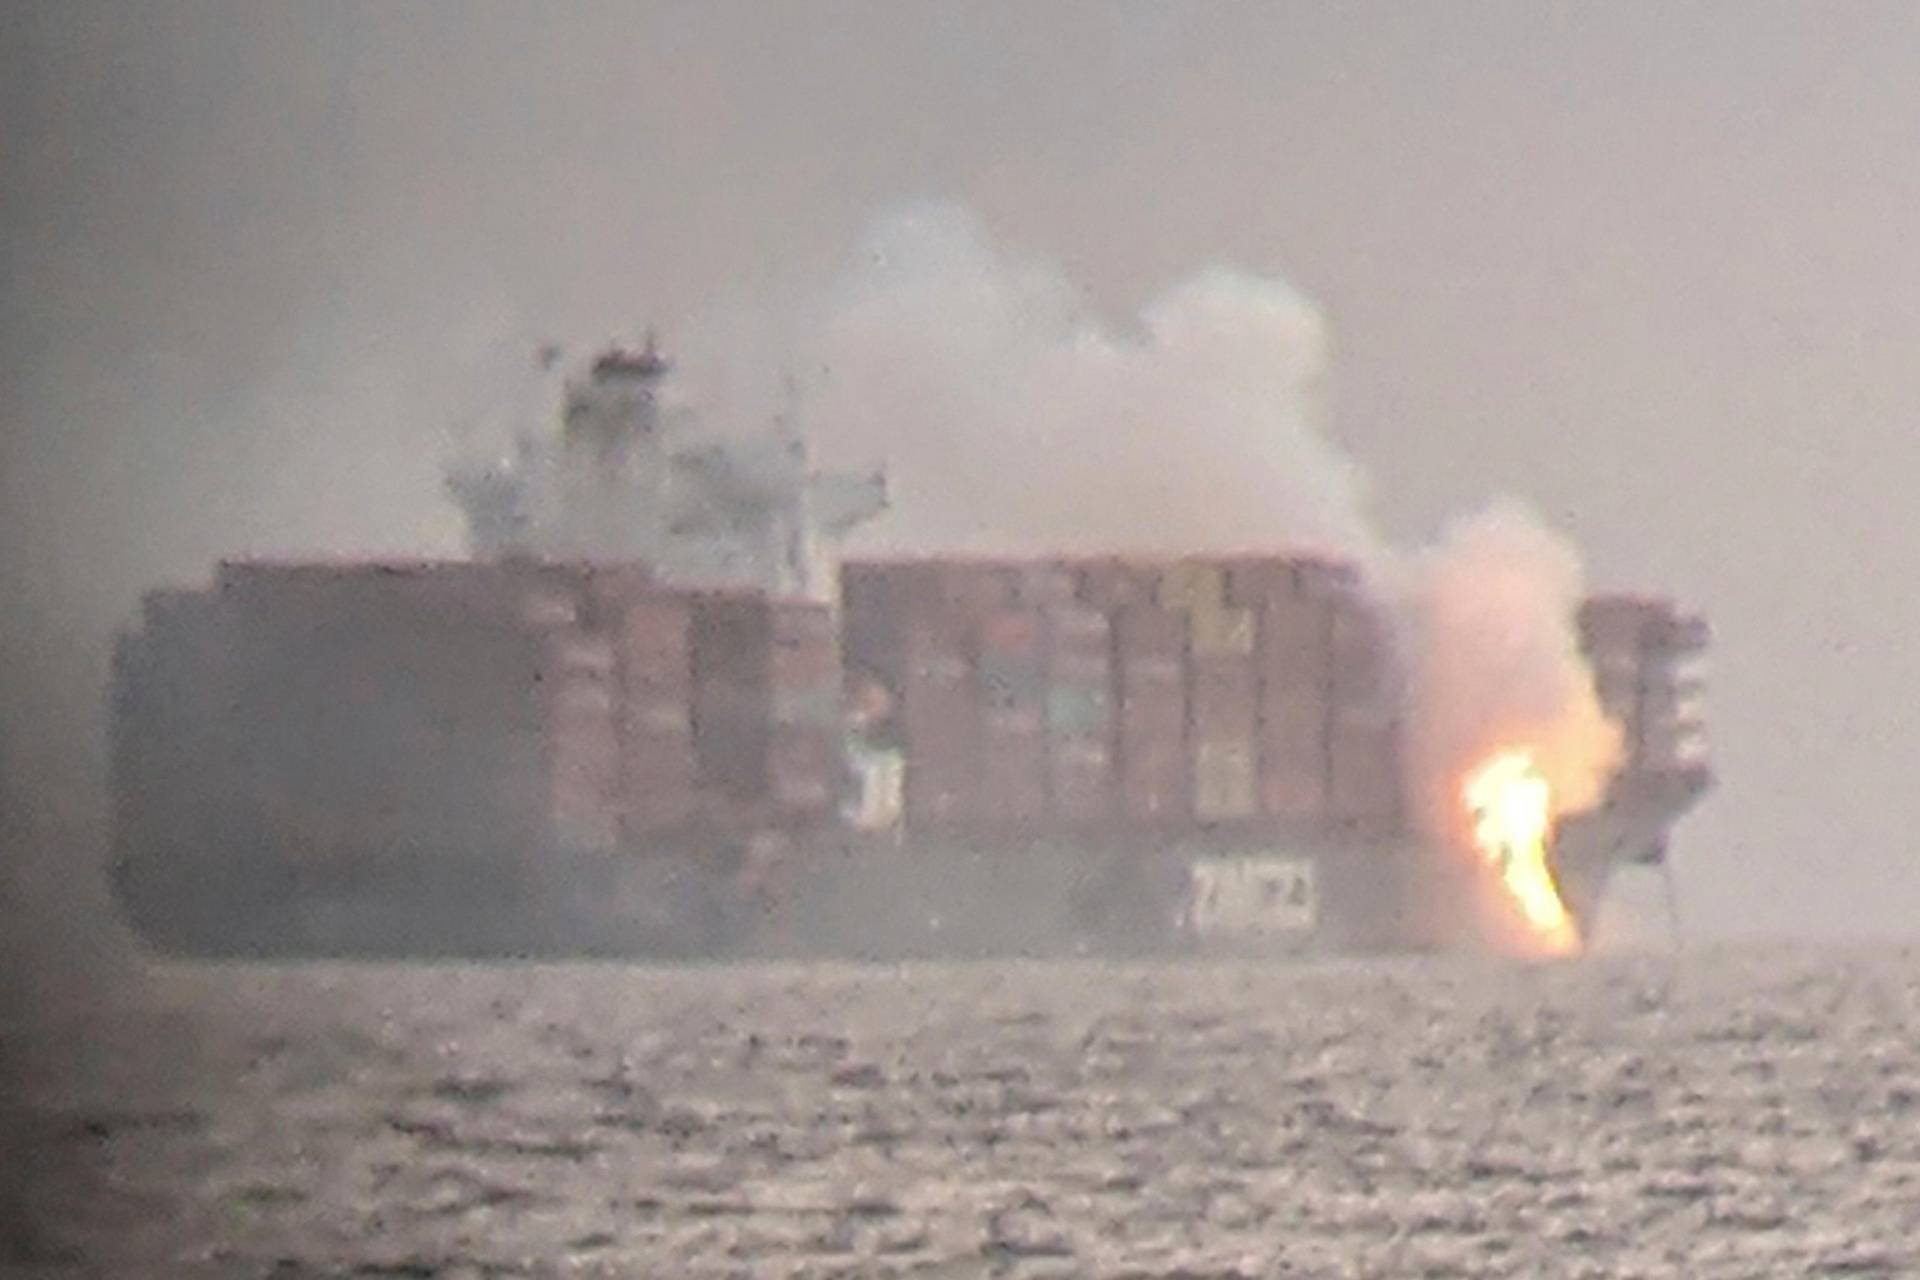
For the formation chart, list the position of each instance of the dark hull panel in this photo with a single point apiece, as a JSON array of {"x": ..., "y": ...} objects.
[{"x": 833, "y": 896}]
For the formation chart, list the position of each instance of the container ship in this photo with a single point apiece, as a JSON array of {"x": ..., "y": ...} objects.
[{"x": 659, "y": 714}]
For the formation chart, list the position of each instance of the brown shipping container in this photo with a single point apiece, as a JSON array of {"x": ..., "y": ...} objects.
[
  {"x": 940, "y": 722},
  {"x": 1293, "y": 754},
  {"x": 609, "y": 589},
  {"x": 1152, "y": 759},
  {"x": 939, "y": 710},
  {"x": 1223, "y": 632},
  {"x": 1366, "y": 780},
  {"x": 1013, "y": 772},
  {"x": 974, "y": 588},
  {"x": 1318, "y": 579},
  {"x": 1192, "y": 586},
  {"x": 1110, "y": 585},
  {"x": 585, "y": 761},
  {"x": 805, "y": 646},
  {"x": 1011, "y": 691},
  {"x": 801, "y": 769},
  {"x": 656, "y": 643},
  {"x": 577, "y": 678},
  {"x": 1080, "y": 720},
  {"x": 804, "y": 670},
  {"x": 1154, "y": 776},
  {"x": 1080, "y": 777},
  {"x": 763, "y": 669},
  {"x": 1079, "y": 643},
  {"x": 658, "y": 791},
  {"x": 659, "y": 772},
  {"x": 942, "y": 785},
  {"x": 1361, "y": 647},
  {"x": 1676, "y": 633},
  {"x": 1011, "y": 666},
  {"x": 1226, "y": 702},
  {"x": 1150, "y": 644},
  {"x": 1294, "y": 651},
  {"x": 1255, "y": 581},
  {"x": 1046, "y": 585},
  {"x": 1223, "y": 780}
]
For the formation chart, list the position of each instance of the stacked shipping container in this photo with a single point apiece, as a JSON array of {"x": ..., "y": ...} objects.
[
  {"x": 363, "y": 710},
  {"x": 766, "y": 702},
  {"x": 659, "y": 774},
  {"x": 394, "y": 707},
  {"x": 1070, "y": 692},
  {"x": 1223, "y": 716},
  {"x": 1646, "y": 663},
  {"x": 1079, "y": 728},
  {"x": 1150, "y": 653}
]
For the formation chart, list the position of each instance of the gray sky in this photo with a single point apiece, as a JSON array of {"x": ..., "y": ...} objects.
[{"x": 1647, "y": 264}]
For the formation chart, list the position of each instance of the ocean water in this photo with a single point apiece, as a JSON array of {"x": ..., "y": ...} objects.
[{"x": 1712, "y": 1113}]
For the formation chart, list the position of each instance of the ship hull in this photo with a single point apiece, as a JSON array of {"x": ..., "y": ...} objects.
[{"x": 952, "y": 895}]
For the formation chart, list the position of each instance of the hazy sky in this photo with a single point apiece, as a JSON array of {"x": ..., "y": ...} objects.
[{"x": 1651, "y": 265}]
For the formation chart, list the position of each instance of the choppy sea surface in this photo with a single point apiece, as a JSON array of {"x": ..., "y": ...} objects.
[{"x": 1718, "y": 1113}]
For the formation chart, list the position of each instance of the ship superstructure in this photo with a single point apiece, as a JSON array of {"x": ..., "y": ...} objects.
[{"x": 628, "y": 478}]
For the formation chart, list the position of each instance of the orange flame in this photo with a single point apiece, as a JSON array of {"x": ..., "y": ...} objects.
[{"x": 1511, "y": 805}]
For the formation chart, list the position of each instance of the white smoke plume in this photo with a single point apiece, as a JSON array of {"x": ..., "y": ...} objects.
[
  {"x": 1012, "y": 420},
  {"x": 1493, "y": 663}
]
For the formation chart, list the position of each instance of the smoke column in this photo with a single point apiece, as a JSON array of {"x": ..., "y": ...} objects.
[{"x": 1011, "y": 420}]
